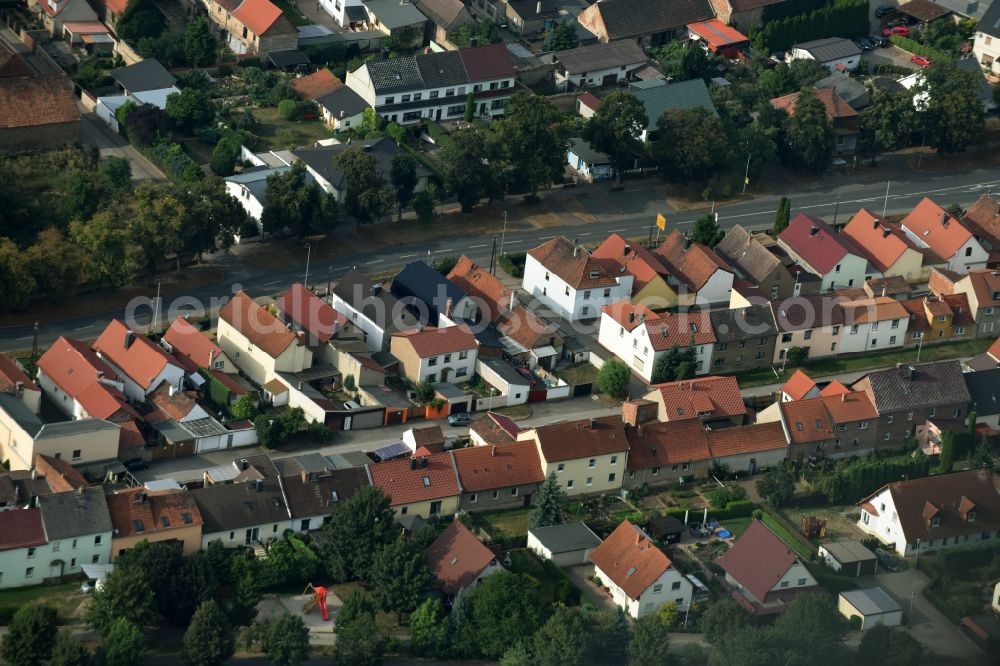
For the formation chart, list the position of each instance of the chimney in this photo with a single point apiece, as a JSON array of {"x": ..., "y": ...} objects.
[
  {"x": 100, "y": 375},
  {"x": 300, "y": 384},
  {"x": 172, "y": 390},
  {"x": 576, "y": 249},
  {"x": 944, "y": 219},
  {"x": 423, "y": 462},
  {"x": 814, "y": 230},
  {"x": 129, "y": 338},
  {"x": 376, "y": 288},
  {"x": 512, "y": 300},
  {"x": 538, "y": 8},
  {"x": 343, "y": 113},
  {"x": 305, "y": 476},
  {"x": 79, "y": 491},
  {"x": 259, "y": 485},
  {"x": 493, "y": 453},
  {"x": 875, "y": 224},
  {"x": 413, "y": 463},
  {"x": 631, "y": 317},
  {"x": 626, "y": 250},
  {"x": 447, "y": 308},
  {"x": 843, "y": 397},
  {"x": 883, "y": 291},
  {"x": 211, "y": 358},
  {"x": 885, "y": 233},
  {"x": 244, "y": 464},
  {"x": 34, "y": 473},
  {"x": 593, "y": 422}
]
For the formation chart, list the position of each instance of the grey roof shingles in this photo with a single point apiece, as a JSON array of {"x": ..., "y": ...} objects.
[
  {"x": 566, "y": 537},
  {"x": 395, "y": 14},
  {"x": 600, "y": 56},
  {"x": 75, "y": 513},
  {"x": 356, "y": 289},
  {"x": 750, "y": 256},
  {"x": 830, "y": 48},
  {"x": 440, "y": 70},
  {"x": 395, "y": 74},
  {"x": 144, "y": 75},
  {"x": 632, "y": 18},
  {"x": 871, "y": 601},
  {"x": 237, "y": 505},
  {"x": 321, "y": 159},
  {"x": 587, "y": 153},
  {"x": 990, "y": 23},
  {"x": 932, "y": 384},
  {"x": 342, "y": 99},
  {"x": 658, "y": 97},
  {"x": 740, "y": 324}
]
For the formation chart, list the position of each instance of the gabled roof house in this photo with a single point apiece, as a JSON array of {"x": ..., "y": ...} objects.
[
  {"x": 139, "y": 362},
  {"x": 833, "y": 257},
  {"x": 458, "y": 560},
  {"x": 930, "y": 226},
  {"x": 257, "y": 342}
]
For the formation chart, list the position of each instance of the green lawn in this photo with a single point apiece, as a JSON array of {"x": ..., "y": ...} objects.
[
  {"x": 277, "y": 133},
  {"x": 787, "y": 537},
  {"x": 505, "y": 524},
  {"x": 516, "y": 412},
  {"x": 736, "y": 525},
  {"x": 527, "y": 563},
  {"x": 578, "y": 373},
  {"x": 64, "y": 597}
]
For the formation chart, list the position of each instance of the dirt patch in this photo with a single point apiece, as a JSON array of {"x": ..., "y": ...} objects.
[{"x": 839, "y": 524}]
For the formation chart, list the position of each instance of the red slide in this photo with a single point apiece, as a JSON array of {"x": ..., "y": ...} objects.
[{"x": 321, "y": 601}]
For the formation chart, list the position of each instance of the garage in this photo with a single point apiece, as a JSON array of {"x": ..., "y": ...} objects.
[
  {"x": 565, "y": 545},
  {"x": 848, "y": 558},
  {"x": 873, "y": 605}
]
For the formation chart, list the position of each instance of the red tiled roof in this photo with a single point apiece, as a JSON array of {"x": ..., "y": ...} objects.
[
  {"x": 484, "y": 63},
  {"x": 664, "y": 329},
  {"x": 176, "y": 406},
  {"x": 892, "y": 285},
  {"x": 433, "y": 341},
  {"x": 319, "y": 83},
  {"x": 630, "y": 558},
  {"x": 717, "y": 33},
  {"x": 192, "y": 348},
  {"x": 314, "y": 315},
  {"x": 457, "y": 557},
  {"x": 746, "y": 439},
  {"x": 231, "y": 383},
  {"x": 867, "y": 310},
  {"x": 807, "y": 420},
  {"x": 669, "y": 443},
  {"x": 582, "y": 438},
  {"x": 986, "y": 286},
  {"x": 257, "y": 15},
  {"x": 983, "y": 219},
  {"x": 60, "y": 475},
  {"x": 72, "y": 365},
  {"x": 406, "y": 486},
  {"x": 11, "y": 374},
  {"x": 719, "y": 396},
  {"x": 477, "y": 282},
  {"x": 798, "y": 385},
  {"x": 758, "y": 560},
  {"x": 881, "y": 242},
  {"x": 130, "y": 436},
  {"x": 994, "y": 350},
  {"x": 834, "y": 388},
  {"x": 37, "y": 101},
  {"x": 935, "y": 227},
  {"x": 134, "y": 354},
  {"x": 693, "y": 264},
  {"x": 157, "y": 513},
  {"x": 824, "y": 249},
  {"x": 572, "y": 264},
  {"x": 942, "y": 281},
  {"x": 640, "y": 263},
  {"x": 589, "y": 100},
  {"x": 258, "y": 325},
  {"x": 495, "y": 428},
  {"x": 833, "y": 103},
  {"x": 961, "y": 313},
  {"x": 21, "y": 528},
  {"x": 491, "y": 467},
  {"x": 850, "y": 407},
  {"x": 116, "y": 6}
]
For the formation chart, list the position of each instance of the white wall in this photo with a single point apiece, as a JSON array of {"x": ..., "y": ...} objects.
[
  {"x": 250, "y": 203},
  {"x": 881, "y": 333},
  {"x": 793, "y": 578},
  {"x": 635, "y": 350},
  {"x": 990, "y": 50},
  {"x": 850, "y": 63},
  {"x": 851, "y": 274},
  {"x": 65, "y": 402},
  {"x": 459, "y": 369},
  {"x": 650, "y": 600},
  {"x": 265, "y": 531},
  {"x": 566, "y": 301},
  {"x": 514, "y": 394},
  {"x": 717, "y": 289}
]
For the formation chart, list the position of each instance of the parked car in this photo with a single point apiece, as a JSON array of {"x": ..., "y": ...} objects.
[
  {"x": 898, "y": 30},
  {"x": 880, "y": 42},
  {"x": 862, "y": 44},
  {"x": 136, "y": 465},
  {"x": 524, "y": 372},
  {"x": 350, "y": 404},
  {"x": 887, "y": 560},
  {"x": 884, "y": 10},
  {"x": 920, "y": 60},
  {"x": 460, "y": 419}
]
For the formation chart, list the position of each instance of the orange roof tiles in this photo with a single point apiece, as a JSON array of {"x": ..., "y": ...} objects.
[
  {"x": 60, "y": 475},
  {"x": 257, "y": 15},
  {"x": 582, "y": 438},
  {"x": 961, "y": 313},
  {"x": 477, "y": 282},
  {"x": 850, "y": 407},
  {"x": 404, "y": 485},
  {"x": 135, "y": 511},
  {"x": 717, "y": 33},
  {"x": 37, "y": 101},
  {"x": 319, "y": 83},
  {"x": 136, "y": 355},
  {"x": 572, "y": 264},
  {"x": 630, "y": 558},
  {"x": 665, "y": 329},
  {"x": 457, "y": 557},
  {"x": 11, "y": 374},
  {"x": 807, "y": 420},
  {"x": 882, "y": 243},
  {"x": 986, "y": 286},
  {"x": 746, "y": 439},
  {"x": 618, "y": 256},
  {"x": 314, "y": 315},
  {"x": 834, "y": 388},
  {"x": 258, "y": 325},
  {"x": 490, "y": 467},
  {"x": 798, "y": 386},
  {"x": 715, "y": 397},
  {"x": 867, "y": 310},
  {"x": 433, "y": 341},
  {"x": 994, "y": 350},
  {"x": 983, "y": 219},
  {"x": 192, "y": 348},
  {"x": 693, "y": 264},
  {"x": 176, "y": 406},
  {"x": 669, "y": 443},
  {"x": 75, "y": 369},
  {"x": 935, "y": 227},
  {"x": 834, "y": 105}
]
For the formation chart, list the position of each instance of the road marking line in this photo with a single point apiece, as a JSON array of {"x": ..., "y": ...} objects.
[
  {"x": 268, "y": 284},
  {"x": 27, "y": 337},
  {"x": 511, "y": 242},
  {"x": 615, "y": 231},
  {"x": 586, "y": 234},
  {"x": 546, "y": 237},
  {"x": 375, "y": 261},
  {"x": 406, "y": 256},
  {"x": 472, "y": 247},
  {"x": 83, "y": 328}
]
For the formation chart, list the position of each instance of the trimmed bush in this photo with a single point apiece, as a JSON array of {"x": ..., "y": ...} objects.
[{"x": 915, "y": 47}]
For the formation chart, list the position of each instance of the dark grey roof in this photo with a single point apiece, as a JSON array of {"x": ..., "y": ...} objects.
[
  {"x": 342, "y": 99},
  {"x": 830, "y": 48},
  {"x": 849, "y": 551},
  {"x": 20, "y": 413},
  {"x": 440, "y": 70},
  {"x": 237, "y": 505},
  {"x": 373, "y": 301},
  {"x": 985, "y": 92},
  {"x": 871, "y": 601},
  {"x": 743, "y": 323},
  {"x": 75, "y": 513},
  {"x": 528, "y": 9},
  {"x": 632, "y": 18},
  {"x": 322, "y": 159},
  {"x": 395, "y": 13},
  {"x": 984, "y": 389},
  {"x": 144, "y": 75},
  {"x": 969, "y": 8},
  {"x": 982, "y": 362},
  {"x": 64, "y": 428},
  {"x": 587, "y": 153},
  {"x": 747, "y": 254},
  {"x": 658, "y": 96},
  {"x": 600, "y": 56},
  {"x": 287, "y": 58},
  {"x": 848, "y": 89},
  {"x": 419, "y": 281},
  {"x": 990, "y": 23},
  {"x": 506, "y": 372},
  {"x": 395, "y": 74},
  {"x": 566, "y": 537},
  {"x": 928, "y": 385},
  {"x": 448, "y": 14}
]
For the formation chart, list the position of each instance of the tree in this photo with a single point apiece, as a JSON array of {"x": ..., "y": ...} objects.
[
  {"x": 106, "y": 242},
  {"x": 806, "y": 72},
  {"x": 403, "y": 176},
  {"x": 399, "y": 577},
  {"x": 564, "y": 640},
  {"x": 208, "y": 640},
  {"x": 948, "y": 451},
  {"x": 141, "y": 18},
  {"x": 797, "y": 356},
  {"x": 368, "y": 196},
  {"x": 466, "y": 174},
  {"x": 504, "y": 609},
  {"x": 613, "y": 379},
  {"x": 616, "y": 130},
  {"x": 889, "y": 646},
  {"x": 444, "y": 265},
  {"x": 246, "y": 593},
  {"x": 470, "y": 108},
  {"x": 214, "y": 216},
  {"x": 124, "y": 644},
  {"x": 649, "y": 644},
  {"x": 809, "y": 134},
  {"x": 952, "y": 116},
  {"x": 286, "y": 641},
  {"x": 190, "y": 108},
  {"x": 16, "y": 281},
  {"x": 423, "y": 206},
  {"x": 722, "y": 616},
  {"x": 886, "y": 124},
  {"x": 560, "y": 37},
  {"x": 56, "y": 265},
  {"x": 125, "y": 596},
  {"x": 530, "y": 143},
  {"x": 156, "y": 217},
  {"x": 356, "y": 604},
  {"x": 359, "y": 643},
  {"x": 782, "y": 216},
  {"x": 224, "y": 157},
  {"x": 295, "y": 203},
  {"x": 548, "y": 504},
  {"x": 358, "y": 527},
  {"x": 616, "y": 637},
  {"x": 811, "y": 630},
  {"x": 429, "y": 630},
  {"x": 116, "y": 175},
  {"x": 244, "y": 409},
  {"x": 706, "y": 231},
  {"x": 396, "y": 132},
  {"x": 68, "y": 651},
  {"x": 147, "y": 124},
  {"x": 691, "y": 144},
  {"x": 518, "y": 654},
  {"x": 776, "y": 486},
  {"x": 675, "y": 365},
  {"x": 199, "y": 44},
  {"x": 668, "y": 614},
  {"x": 29, "y": 638}
]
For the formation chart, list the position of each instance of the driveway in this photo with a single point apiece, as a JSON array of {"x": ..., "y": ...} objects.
[
  {"x": 890, "y": 56},
  {"x": 580, "y": 575},
  {"x": 95, "y": 132}
]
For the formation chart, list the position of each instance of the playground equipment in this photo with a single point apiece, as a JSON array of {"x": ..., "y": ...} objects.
[{"x": 318, "y": 599}]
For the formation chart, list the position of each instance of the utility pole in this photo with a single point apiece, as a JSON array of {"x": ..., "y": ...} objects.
[
  {"x": 305, "y": 279},
  {"x": 746, "y": 174},
  {"x": 493, "y": 257},
  {"x": 329, "y": 282},
  {"x": 156, "y": 307},
  {"x": 885, "y": 205},
  {"x": 34, "y": 350},
  {"x": 503, "y": 234},
  {"x": 836, "y": 209}
]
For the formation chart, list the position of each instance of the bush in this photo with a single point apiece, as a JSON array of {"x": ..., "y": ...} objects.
[
  {"x": 915, "y": 47},
  {"x": 513, "y": 264},
  {"x": 613, "y": 378},
  {"x": 288, "y": 110},
  {"x": 319, "y": 433},
  {"x": 170, "y": 157}
]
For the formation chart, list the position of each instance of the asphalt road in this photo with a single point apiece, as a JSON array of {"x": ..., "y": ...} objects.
[
  {"x": 639, "y": 210},
  {"x": 95, "y": 132}
]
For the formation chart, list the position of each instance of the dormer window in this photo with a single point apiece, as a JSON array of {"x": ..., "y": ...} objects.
[
  {"x": 971, "y": 516},
  {"x": 936, "y": 521}
]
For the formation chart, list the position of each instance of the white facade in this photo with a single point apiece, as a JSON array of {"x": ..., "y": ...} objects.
[
  {"x": 245, "y": 536},
  {"x": 254, "y": 362},
  {"x": 338, "y": 9},
  {"x": 987, "y": 50},
  {"x": 451, "y": 368},
  {"x": 869, "y": 617},
  {"x": 21, "y": 567},
  {"x": 569, "y": 302},
  {"x": 68, "y": 404},
  {"x": 636, "y": 351},
  {"x": 717, "y": 289},
  {"x": 873, "y": 336},
  {"x": 849, "y": 63},
  {"x": 172, "y": 374},
  {"x": 517, "y": 394},
  {"x": 599, "y": 77},
  {"x": 670, "y": 586},
  {"x": 969, "y": 257},
  {"x": 373, "y": 332}
]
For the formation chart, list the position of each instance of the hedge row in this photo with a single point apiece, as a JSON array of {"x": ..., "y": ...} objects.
[
  {"x": 968, "y": 557},
  {"x": 787, "y": 533},
  {"x": 913, "y": 46},
  {"x": 864, "y": 476},
  {"x": 839, "y": 18},
  {"x": 218, "y": 392},
  {"x": 176, "y": 164},
  {"x": 831, "y": 581},
  {"x": 738, "y": 509}
]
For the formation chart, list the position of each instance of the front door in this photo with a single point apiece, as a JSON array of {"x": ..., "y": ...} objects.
[
  {"x": 527, "y": 500},
  {"x": 482, "y": 109},
  {"x": 253, "y": 534},
  {"x": 437, "y": 116}
]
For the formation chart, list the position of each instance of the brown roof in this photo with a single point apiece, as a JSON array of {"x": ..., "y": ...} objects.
[
  {"x": 176, "y": 406},
  {"x": 630, "y": 558},
  {"x": 257, "y": 15},
  {"x": 430, "y": 437},
  {"x": 22, "y": 528},
  {"x": 135, "y": 511},
  {"x": 316, "y": 494},
  {"x": 961, "y": 313},
  {"x": 882, "y": 243},
  {"x": 986, "y": 285},
  {"x": 11, "y": 374},
  {"x": 432, "y": 341},
  {"x": 892, "y": 285},
  {"x": 310, "y": 312},
  {"x": 994, "y": 350},
  {"x": 746, "y": 439},
  {"x": 669, "y": 443},
  {"x": 666, "y": 329},
  {"x": 134, "y": 354},
  {"x": 12, "y": 64},
  {"x": 406, "y": 480},
  {"x": 715, "y": 397},
  {"x": 36, "y": 101},
  {"x": 950, "y": 496},
  {"x": 808, "y": 312},
  {"x": 583, "y": 438},
  {"x": 798, "y": 385},
  {"x": 572, "y": 264},
  {"x": 258, "y": 325},
  {"x": 866, "y": 310},
  {"x": 60, "y": 475},
  {"x": 491, "y": 467},
  {"x": 319, "y": 83},
  {"x": 619, "y": 256},
  {"x": 850, "y": 407},
  {"x": 495, "y": 428},
  {"x": 807, "y": 420},
  {"x": 923, "y": 10},
  {"x": 758, "y": 560},
  {"x": 740, "y": 248},
  {"x": 935, "y": 227},
  {"x": 192, "y": 348},
  {"x": 477, "y": 282},
  {"x": 836, "y": 387},
  {"x": 457, "y": 557},
  {"x": 834, "y": 104},
  {"x": 693, "y": 264},
  {"x": 983, "y": 218}
]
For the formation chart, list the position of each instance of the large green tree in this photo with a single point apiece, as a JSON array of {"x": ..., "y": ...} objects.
[
  {"x": 889, "y": 646},
  {"x": 199, "y": 44},
  {"x": 399, "y": 577},
  {"x": 722, "y": 616},
  {"x": 886, "y": 124},
  {"x": 809, "y": 134},
  {"x": 141, "y": 18},
  {"x": 809, "y": 627},
  {"x": 429, "y": 630},
  {"x": 246, "y": 592},
  {"x": 616, "y": 130},
  {"x": 675, "y": 365},
  {"x": 613, "y": 378},
  {"x": 649, "y": 644},
  {"x": 564, "y": 640},
  {"x": 706, "y": 231},
  {"x": 466, "y": 173},
  {"x": 69, "y": 651},
  {"x": 16, "y": 280},
  {"x": 29, "y": 638},
  {"x": 403, "y": 176},
  {"x": 359, "y": 642},
  {"x": 691, "y": 145},
  {"x": 123, "y": 645},
  {"x": 530, "y": 143},
  {"x": 560, "y": 37},
  {"x": 358, "y": 528},
  {"x": 126, "y": 596},
  {"x": 295, "y": 203},
  {"x": 208, "y": 640},
  {"x": 548, "y": 503},
  {"x": 782, "y": 216},
  {"x": 951, "y": 117},
  {"x": 776, "y": 486},
  {"x": 368, "y": 196},
  {"x": 503, "y": 609},
  {"x": 190, "y": 108},
  {"x": 286, "y": 641}
]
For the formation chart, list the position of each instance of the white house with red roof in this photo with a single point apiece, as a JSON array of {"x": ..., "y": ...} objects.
[
  {"x": 82, "y": 384},
  {"x": 22, "y": 535},
  {"x": 422, "y": 486},
  {"x": 140, "y": 363},
  {"x": 833, "y": 257},
  {"x": 930, "y": 226},
  {"x": 575, "y": 285},
  {"x": 258, "y": 342},
  {"x": 56, "y": 13},
  {"x": 640, "y": 576},
  {"x": 252, "y": 26},
  {"x": 710, "y": 399},
  {"x": 193, "y": 349},
  {"x": 13, "y": 379},
  {"x": 432, "y": 354},
  {"x": 458, "y": 560},
  {"x": 640, "y": 337}
]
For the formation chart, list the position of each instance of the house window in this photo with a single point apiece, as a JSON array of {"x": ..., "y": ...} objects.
[
  {"x": 431, "y": 362},
  {"x": 496, "y": 494},
  {"x": 456, "y": 110},
  {"x": 611, "y": 477},
  {"x": 417, "y": 96},
  {"x": 29, "y": 572},
  {"x": 463, "y": 355},
  {"x": 759, "y": 356},
  {"x": 676, "y": 585},
  {"x": 607, "y": 293},
  {"x": 719, "y": 362},
  {"x": 569, "y": 484},
  {"x": 410, "y": 116},
  {"x": 936, "y": 521},
  {"x": 892, "y": 340},
  {"x": 477, "y": 87},
  {"x": 97, "y": 540},
  {"x": 96, "y": 559},
  {"x": 614, "y": 460},
  {"x": 783, "y": 583},
  {"x": 956, "y": 414},
  {"x": 31, "y": 552},
  {"x": 435, "y": 507},
  {"x": 76, "y": 454},
  {"x": 971, "y": 516},
  {"x": 723, "y": 346},
  {"x": 874, "y": 342},
  {"x": 854, "y": 329},
  {"x": 888, "y": 436},
  {"x": 590, "y": 480},
  {"x": 390, "y": 100},
  {"x": 959, "y": 330},
  {"x": 432, "y": 377},
  {"x": 656, "y": 471},
  {"x": 449, "y": 92},
  {"x": 586, "y": 295},
  {"x": 592, "y": 463},
  {"x": 461, "y": 372},
  {"x": 447, "y": 358},
  {"x": 403, "y": 511},
  {"x": 895, "y": 323},
  {"x": 434, "y": 94},
  {"x": 909, "y": 416},
  {"x": 74, "y": 543},
  {"x": 404, "y": 98},
  {"x": 786, "y": 337},
  {"x": 837, "y": 269},
  {"x": 473, "y": 497},
  {"x": 567, "y": 290},
  {"x": 802, "y": 581},
  {"x": 863, "y": 425},
  {"x": 657, "y": 588},
  {"x": 584, "y": 311},
  {"x": 933, "y": 412},
  {"x": 55, "y": 547},
  {"x": 808, "y": 334},
  {"x": 560, "y": 467},
  {"x": 513, "y": 492}
]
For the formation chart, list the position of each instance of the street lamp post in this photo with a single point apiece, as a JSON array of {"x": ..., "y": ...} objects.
[
  {"x": 746, "y": 174},
  {"x": 503, "y": 234},
  {"x": 305, "y": 279},
  {"x": 156, "y": 306},
  {"x": 329, "y": 280}
]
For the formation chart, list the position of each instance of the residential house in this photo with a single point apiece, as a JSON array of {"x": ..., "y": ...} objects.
[
  {"x": 597, "y": 65},
  {"x": 923, "y": 515},
  {"x": 910, "y": 395},
  {"x": 764, "y": 572},
  {"x": 670, "y": 452},
  {"x": 434, "y": 354},
  {"x": 342, "y": 108},
  {"x": 36, "y": 112},
  {"x": 651, "y": 280},
  {"x": 986, "y": 45},
  {"x": 243, "y": 513},
  {"x": 752, "y": 260},
  {"x": 641, "y": 337},
  {"x": 432, "y": 297},
  {"x": 81, "y": 384},
  {"x": 197, "y": 353},
  {"x": 422, "y": 486},
  {"x": 894, "y": 287},
  {"x": 744, "y": 338},
  {"x": 349, "y": 14},
  {"x": 78, "y": 528},
  {"x": 886, "y": 246},
  {"x": 587, "y": 105},
  {"x": 139, "y": 514},
  {"x": 530, "y": 17},
  {"x": 20, "y": 489},
  {"x": 252, "y": 26},
  {"x": 498, "y": 476},
  {"x": 750, "y": 448},
  {"x": 110, "y": 11},
  {"x": 715, "y": 401},
  {"x": 834, "y": 53},
  {"x": 831, "y": 426},
  {"x": 590, "y": 163},
  {"x": 930, "y": 226},
  {"x": 321, "y": 164},
  {"x": 315, "y": 85},
  {"x": 586, "y": 455},
  {"x": 249, "y": 188},
  {"x": 842, "y": 116},
  {"x": 459, "y": 561},
  {"x": 640, "y": 577},
  {"x": 701, "y": 276},
  {"x": 812, "y": 322},
  {"x": 851, "y": 90},
  {"x": 140, "y": 363},
  {"x": 565, "y": 544},
  {"x": 799, "y": 387},
  {"x": 15, "y": 381},
  {"x": 491, "y": 429},
  {"x": 436, "y": 85},
  {"x": 567, "y": 279},
  {"x": 257, "y": 341},
  {"x": 310, "y": 314},
  {"x": 719, "y": 38},
  {"x": 744, "y": 14},
  {"x": 659, "y": 96},
  {"x": 981, "y": 288},
  {"x": 401, "y": 21},
  {"x": 22, "y": 535},
  {"x": 144, "y": 76},
  {"x": 938, "y": 318},
  {"x": 649, "y": 23},
  {"x": 371, "y": 309},
  {"x": 984, "y": 389},
  {"x": 57, "y": 13},
  {"x": 983, "y": 219},
  {"x": 313, "y": 494},
  {"x": 444, "y": 17},
  {"x": 819, "y": 248},
  {"x": 873, "y": 323},
  {"x": 58, "y": 474}
]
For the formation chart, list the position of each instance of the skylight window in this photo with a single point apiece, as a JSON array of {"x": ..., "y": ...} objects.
[{"x": 427, "y": 481}]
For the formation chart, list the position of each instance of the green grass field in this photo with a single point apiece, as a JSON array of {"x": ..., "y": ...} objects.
[
  {"x": 505, "y": 524},
  {"x": 787, "y": 537}
]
